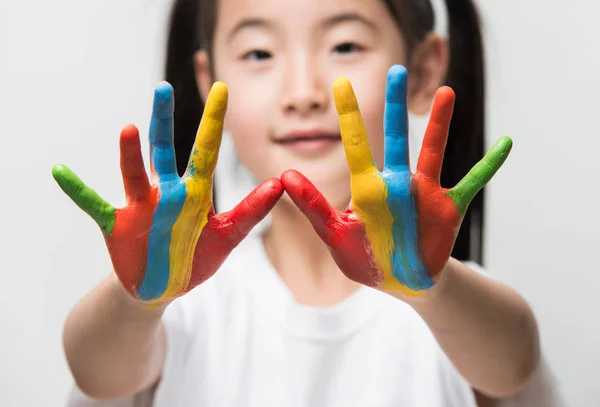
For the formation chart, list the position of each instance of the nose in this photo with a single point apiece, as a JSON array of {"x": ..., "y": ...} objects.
[{"x": 304, "y": 91}]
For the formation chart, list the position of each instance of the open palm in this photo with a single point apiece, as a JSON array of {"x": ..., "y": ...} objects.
[
  {"x": 399, "y": 229},
  {"x": 168, "y": 239}
]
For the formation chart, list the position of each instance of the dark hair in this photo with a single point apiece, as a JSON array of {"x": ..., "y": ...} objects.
[{"x": 191, "y": 28}]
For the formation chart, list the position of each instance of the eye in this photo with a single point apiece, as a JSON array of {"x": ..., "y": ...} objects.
[
  {"x": 347, "y": 47},
  {"x": 257, "y": 55}
]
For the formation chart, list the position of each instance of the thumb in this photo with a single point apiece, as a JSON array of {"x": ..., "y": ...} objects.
[
  {"x": 240, "y": 220},
  {"x": 311, "y": 203}
]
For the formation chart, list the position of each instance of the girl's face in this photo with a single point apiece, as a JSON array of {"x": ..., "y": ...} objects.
[{"x": 279, "y": 60}]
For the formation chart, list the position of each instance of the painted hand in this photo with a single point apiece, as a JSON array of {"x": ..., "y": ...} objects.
[
  {"x": 168, "y": 239},
  {"x": 399, "y": 229}
]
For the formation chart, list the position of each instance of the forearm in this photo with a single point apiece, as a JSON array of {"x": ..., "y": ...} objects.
[
  {"x": 487, "y": 330},
  {"x": 115, "y": 346}
]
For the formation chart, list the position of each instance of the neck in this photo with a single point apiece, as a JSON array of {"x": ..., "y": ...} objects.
[{"x": 303, "y": 260}]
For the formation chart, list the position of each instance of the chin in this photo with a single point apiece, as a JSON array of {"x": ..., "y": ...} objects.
[
  {"x": 338, "y": 197},
  {"x": 334, "y": 185}
]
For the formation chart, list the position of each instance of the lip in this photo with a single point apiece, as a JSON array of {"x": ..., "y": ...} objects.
[{"x": 309, "y": 140}]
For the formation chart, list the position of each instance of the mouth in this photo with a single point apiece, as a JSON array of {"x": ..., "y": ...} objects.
[{"x": 309, "y": 141}]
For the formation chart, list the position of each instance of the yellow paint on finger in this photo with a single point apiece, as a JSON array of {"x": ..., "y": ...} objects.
[
  {"x": 208, "y": 139},
  {"x": 352, "y": 129},
  {"x": 369, "y": 190},
  {"x": 198, "y": 182}
]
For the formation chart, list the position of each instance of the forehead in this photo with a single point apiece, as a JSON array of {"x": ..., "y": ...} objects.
[{"x": 289, "y": 13}]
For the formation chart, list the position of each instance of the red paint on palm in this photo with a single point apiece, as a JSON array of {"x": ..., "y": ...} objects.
[
  {"x": 342, "y": 232},
  {"x": 438, "y": 223},
  {"x": 128, "y": 243}
]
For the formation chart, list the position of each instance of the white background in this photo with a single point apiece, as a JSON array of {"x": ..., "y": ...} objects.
[{"x": 73, "y": 73}]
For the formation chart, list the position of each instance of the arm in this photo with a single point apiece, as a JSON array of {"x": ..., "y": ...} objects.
[
  {"x": 166, "y": 241},
  {"x": 121, "y": 338},
  {"x": 487, "y": 330}
]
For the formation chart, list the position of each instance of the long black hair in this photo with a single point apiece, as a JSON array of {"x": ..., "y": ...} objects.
[{"x": 192, "y": 27}]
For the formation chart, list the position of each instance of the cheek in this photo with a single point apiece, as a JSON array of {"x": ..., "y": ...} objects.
[
  {"x": 246, "y": 113},
  {"x": 373, "y": 118},
  {"x": 248, "y": 121}
]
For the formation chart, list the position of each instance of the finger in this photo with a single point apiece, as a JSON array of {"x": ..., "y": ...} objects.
[
  {"x": 86, "y": 198},
  {"x": 354, "y": 135},
  {"x": 162, "y": 149},
  {"x": 253, "y": 208},
  {"x": 311, "y": 202},
  {"x": 464, "y": 192},
  {"x": 395, "y": 122},
  {"x": 436, "y": 135},
  {"x": 134, "y": 174},
  {"x": 208, "y": 139}
]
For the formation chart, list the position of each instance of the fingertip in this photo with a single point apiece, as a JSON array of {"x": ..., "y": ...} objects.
[
  {"x": 506, "y": 141},
  {"x": 163, "y": 90},
  {"x": 396, "y": 89},
  {"x": 341, "y": 82},
  {"x": 58, "y": 171},
  {"x": 163, "y": 100},
  {"x": 129, "y": 128},
  {"x": 61, "y": 171},
  {"x": 343, "y": 94},
  {"x": 397, "y": 71},
  {"x": 276, "y": 186},
  {"x": 216, "y": 103},
  {"x": 130, "y": 147},
  {"x": 443, "y": 103},
  {"x": 290, "y": 176},
  {"x": 219, "y": 88},
  {"x": 446, "y": 93},
  {"x": 503, "y": 145},
  {"x": 294, "y": 181},
  {"x": 64, "y": 177},
  {"x": 129, "y": 132}
]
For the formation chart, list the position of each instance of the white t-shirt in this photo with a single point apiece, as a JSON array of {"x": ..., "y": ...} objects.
[{"x": 240, "y": 339}]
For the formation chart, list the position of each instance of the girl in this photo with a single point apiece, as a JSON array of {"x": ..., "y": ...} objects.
[{"x": 324, "y": 308}]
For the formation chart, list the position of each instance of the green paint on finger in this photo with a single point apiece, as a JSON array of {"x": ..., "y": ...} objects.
[
  {"x": 464, "y": 192},
  {"x": 86, "y": 198}
]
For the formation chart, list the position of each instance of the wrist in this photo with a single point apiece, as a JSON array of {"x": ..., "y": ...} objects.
[
  {"x": 131, "y": 304},
  {"x": 432, "y": 296}
]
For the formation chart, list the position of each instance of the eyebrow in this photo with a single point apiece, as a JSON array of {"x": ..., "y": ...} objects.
[
  {"x": 248, "y": 23},
  {"x": 336, "y": 19},
  {"x": 347, "y": 17}
]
